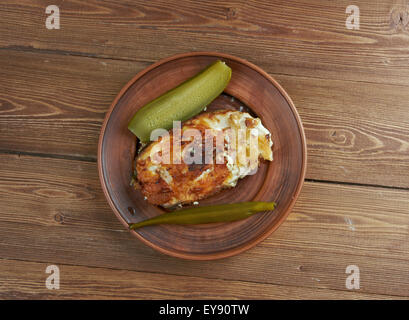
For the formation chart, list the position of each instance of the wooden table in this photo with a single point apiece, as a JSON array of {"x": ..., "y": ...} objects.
[{"x": 351, "y": 88}]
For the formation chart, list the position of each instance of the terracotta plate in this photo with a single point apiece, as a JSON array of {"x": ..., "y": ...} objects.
[{"x": 280, "y": 180}]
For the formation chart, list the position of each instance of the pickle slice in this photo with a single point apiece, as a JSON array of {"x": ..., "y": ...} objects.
[{"x": 182, "y": 102}]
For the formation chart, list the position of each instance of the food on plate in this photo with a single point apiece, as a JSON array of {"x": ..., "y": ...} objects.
[
  {"x": 208, "y": 214},
  {"x": 181, "y": 103},
  {"x": 209, "y": 152}
]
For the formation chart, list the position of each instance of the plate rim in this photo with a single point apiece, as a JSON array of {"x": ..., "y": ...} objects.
[{"x": 240, "y": 248}]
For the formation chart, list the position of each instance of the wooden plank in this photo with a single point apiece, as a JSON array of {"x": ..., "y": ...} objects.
[
  {"x": 307, "y": 38},
  {"x": 26, "y": 280},
  {"x": 53, "y": 211},
  {"x": 357, "y": 134},
  {"x": 49, "y": 105}
]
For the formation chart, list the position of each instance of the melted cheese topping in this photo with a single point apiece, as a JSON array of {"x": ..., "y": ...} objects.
[{"x": 168, "y": 183}]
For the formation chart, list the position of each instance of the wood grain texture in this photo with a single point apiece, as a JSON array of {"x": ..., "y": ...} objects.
[
  {"x": 53, "y": 211},
  {"x": 26, "y": 280},
  {"x": 355, "y": 133},
  {"x": 304, "y": 38},
  {"x": 49, "y": 105},
  {"x": 349, "y": 86}
]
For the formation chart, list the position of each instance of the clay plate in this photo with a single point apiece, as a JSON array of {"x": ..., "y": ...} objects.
[{"x": 280, "y": 180}]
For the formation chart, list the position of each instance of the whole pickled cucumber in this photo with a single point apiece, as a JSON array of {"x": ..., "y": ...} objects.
[
  {"x": 181, "y": 103},
  {"x": 216, "y": 213}
]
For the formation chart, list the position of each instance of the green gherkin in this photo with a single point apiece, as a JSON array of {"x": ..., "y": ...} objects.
[
  {"x": 208, "y": 214},
  {"x": 181, "y": 103}
]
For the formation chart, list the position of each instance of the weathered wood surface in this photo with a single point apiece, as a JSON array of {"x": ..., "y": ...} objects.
[
  {"x": 26, "y": 280},
  {"x": 49, "y": 105},
  {"x": 304, "y": 38},
  {"x": 351, "y": 88},
  {"x": 53, "y": 211}
]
